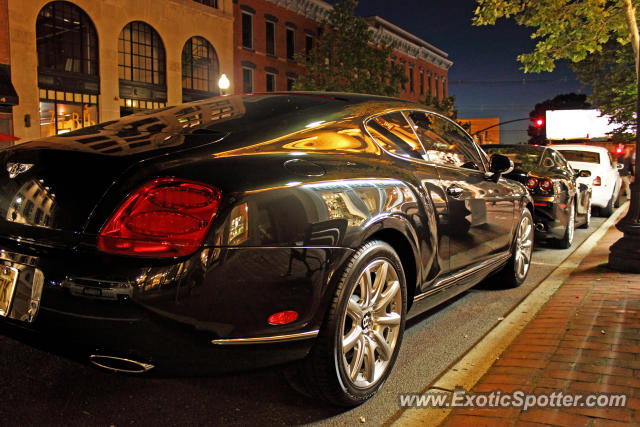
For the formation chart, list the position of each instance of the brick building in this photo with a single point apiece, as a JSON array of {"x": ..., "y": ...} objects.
[
  {"x": 65, "y": 65},
  {"x": 426, "y": 66},
  {"x": 267, "y": 34}
]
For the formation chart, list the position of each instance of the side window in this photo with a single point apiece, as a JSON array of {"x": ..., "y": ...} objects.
[
  {"x": 394, "y": 134},
  {"x": 445, "y": 143},
  {"x": 559, "y": 159}
]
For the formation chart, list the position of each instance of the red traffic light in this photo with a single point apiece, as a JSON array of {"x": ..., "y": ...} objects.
[
  {"x": 539, "y": 123},
  {"x": 619, "y": 150}
]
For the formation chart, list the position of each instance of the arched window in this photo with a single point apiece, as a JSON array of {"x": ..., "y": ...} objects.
[
  {"x": 200, "y": 70},
  {"x": 66, "y": 39},
  {"x": 68, "y": 75},
  {"x": 141, "y": 68}
]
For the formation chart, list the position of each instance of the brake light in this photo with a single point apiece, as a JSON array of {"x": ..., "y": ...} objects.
[
  {"x": 546, "y": 184},
  {"x": 532, "y": 183},
  {"x": 597, "y": 181},
  {"x": 166, "y": 217}
]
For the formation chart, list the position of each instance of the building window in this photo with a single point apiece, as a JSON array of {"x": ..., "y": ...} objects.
[
  {"x": 271, "y": 82},
  {"x": 141, "y": 54},
  {"x": 247, "y": 30},
  {"x": 308, "y": 44},
  {"x": 430, "y": 83},
  {"x": 270, "y": 35},
  {"x": 421, "y": 81},
  {"x": 68, "y": 77},
  {"x": 199, "y": 70},
  {"x": 411, "y": 78},
  {"x": 247, "y": 80},
  {"x": 63, "y": 112},
  {"x": 141, "y": 68},
  {"x": 66, "y": 40},
  {"x": 291, "y": 42},
  {"x": 403, "y": 63},
  {"x": 444, "y": 87},
  {"x": 290, "y": 82},
  {"x": 437, "y": 87},
  {"x": 212, "y": 3}
]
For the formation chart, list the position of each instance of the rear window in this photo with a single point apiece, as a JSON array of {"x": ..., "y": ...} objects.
[{"x": 581, "y": 156}]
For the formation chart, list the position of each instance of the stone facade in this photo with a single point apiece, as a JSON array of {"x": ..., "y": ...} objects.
[{"x": 176, "y": 21}]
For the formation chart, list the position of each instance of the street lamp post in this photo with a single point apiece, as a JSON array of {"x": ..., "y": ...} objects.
[{"x": 624, "y": 255}]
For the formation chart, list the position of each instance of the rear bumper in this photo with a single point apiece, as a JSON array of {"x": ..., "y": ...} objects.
[
  {"x": 550, "y": 217},
  {"x": 601, "y": 195},
  {"x": 207, "y": 313}
]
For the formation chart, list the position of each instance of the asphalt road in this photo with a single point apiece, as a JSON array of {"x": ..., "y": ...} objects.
[{"x": 38, "y": 388}]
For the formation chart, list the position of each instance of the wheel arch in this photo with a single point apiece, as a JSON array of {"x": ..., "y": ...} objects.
[{"x": 407, "y": 254}]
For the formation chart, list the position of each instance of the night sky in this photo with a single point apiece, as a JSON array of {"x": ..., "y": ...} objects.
[{"x": 486, "y": 78}]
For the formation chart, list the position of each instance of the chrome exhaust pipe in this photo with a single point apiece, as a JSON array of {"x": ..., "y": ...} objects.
[
  {"x": 539, "y": 226},
  {"x": 119, "y": 364}
]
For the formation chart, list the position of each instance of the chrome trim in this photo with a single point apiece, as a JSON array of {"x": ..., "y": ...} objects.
[
  {"x": 27, "y": 291},
  {"x": 448, "y": 281},
  {"x": 6, "y": 255},
  {"x": 266, "y": 340},
  {"x": 143, "y": 367}
]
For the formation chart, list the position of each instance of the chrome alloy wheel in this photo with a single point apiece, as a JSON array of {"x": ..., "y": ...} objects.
[
  {"x": 524, "y": 247},
  {"x": 371, "y": 324}
]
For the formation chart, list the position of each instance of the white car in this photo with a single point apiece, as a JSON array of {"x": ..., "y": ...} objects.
[{"x": 604, "y": 180}]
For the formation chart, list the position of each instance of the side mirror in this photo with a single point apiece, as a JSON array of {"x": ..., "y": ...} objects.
[
  {"x": 620, "y": 166},
  {"x": 500, "y": 165},
  {"x": 584, "y": 173}
]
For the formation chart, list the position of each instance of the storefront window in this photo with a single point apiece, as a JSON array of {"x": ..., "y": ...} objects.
[
  {"x": 132, "y": 106},
  {"x": 63, "y": 112}
]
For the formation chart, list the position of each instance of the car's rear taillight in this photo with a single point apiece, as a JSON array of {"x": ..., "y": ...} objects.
[
  {"x": 532, "y": 183},
  {"x": 597, "y": 181},
  {"x": 166, "y": 217},
  {"x": 546, "y": 184}
]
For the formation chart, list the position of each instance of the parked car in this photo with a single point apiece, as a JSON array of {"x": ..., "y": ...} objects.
[
  {"x": 246, "y": 231},
  {"x": 560, "y": 201},
  {"x": 605, "y": 179}
]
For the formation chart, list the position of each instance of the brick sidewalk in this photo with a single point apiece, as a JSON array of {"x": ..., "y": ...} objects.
[{"x": 586, "y": 339}]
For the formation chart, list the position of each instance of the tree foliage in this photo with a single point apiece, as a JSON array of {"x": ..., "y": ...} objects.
[
  {"x": 595, "y": 35},
  {"x": 612, "y": 80},
  {"x": 561, "y": 102},
  {"x": 346, "y": 58},
  {"x": 564, "y": 29}
]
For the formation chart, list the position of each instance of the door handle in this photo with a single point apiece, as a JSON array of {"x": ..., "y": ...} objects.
[{"x": 455, "y": 191}]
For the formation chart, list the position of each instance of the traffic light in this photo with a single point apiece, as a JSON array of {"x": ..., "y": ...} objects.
[
  {"x": 619, "y": 150},
  {"x": 539, "y": 122}
]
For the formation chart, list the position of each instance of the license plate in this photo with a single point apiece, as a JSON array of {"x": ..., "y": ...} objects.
[{"x": 8, "y": 279}]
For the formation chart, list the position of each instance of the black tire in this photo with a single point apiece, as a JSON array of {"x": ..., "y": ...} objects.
[
  {"x": 514, "y": 273},
  {"x": 587, "y": 221},
  {"x": 566, "y": 241},
  {"x": 607, "y": 210},
  {"x": 325, "y": 373}
]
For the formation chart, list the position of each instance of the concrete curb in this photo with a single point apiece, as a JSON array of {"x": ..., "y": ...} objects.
[{"x": 477, "y": 361}]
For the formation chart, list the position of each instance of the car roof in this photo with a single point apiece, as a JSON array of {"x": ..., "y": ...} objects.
[
  {"x": 579, "y": 147},
  {"x": 516, "y": 147}
]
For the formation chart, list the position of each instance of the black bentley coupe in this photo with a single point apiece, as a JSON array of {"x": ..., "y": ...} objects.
[
  {"x": 246, "y": 231},
  {"x": 560, "y": 201}
]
